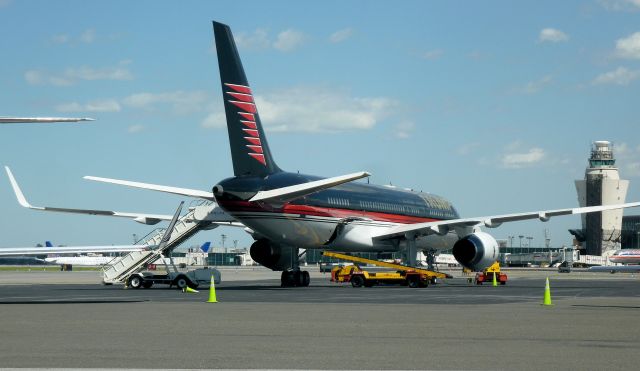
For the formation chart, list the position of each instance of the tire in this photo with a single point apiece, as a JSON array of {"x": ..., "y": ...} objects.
[
  {"x": 413, "y": 282},
  {"x": 181, "y": 283},
  {"x": 135, "y": 282},
  {"x": 147, "y": 284},
  {"x": 305, "y": 279},
  {"x": 357, "y": 281},
  {"x": 286, "y": 279}
]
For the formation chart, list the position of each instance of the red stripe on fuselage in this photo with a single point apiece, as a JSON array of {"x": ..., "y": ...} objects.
[{"x": 245, "y": 206}]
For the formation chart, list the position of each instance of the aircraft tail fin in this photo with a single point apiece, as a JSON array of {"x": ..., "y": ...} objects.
[
  {"x": 205, "y": 247},
  {"x": 48, "y": 244},
  {"x": 249, "y": 149}
]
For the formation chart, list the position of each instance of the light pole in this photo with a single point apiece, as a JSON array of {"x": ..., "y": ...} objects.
[
  {"x": 530, "y": 239},
  {"x": 521, "y": 237}
]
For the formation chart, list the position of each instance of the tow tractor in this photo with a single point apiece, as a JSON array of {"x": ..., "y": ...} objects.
[
  {"x": 403, "y": 275},
  {"x": 487, "y": 275}
]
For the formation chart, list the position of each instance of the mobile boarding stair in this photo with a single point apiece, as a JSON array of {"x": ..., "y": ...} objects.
[{"x": 162, "y": 242}]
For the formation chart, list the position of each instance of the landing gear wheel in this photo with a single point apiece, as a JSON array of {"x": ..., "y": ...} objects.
[
  {"x": 357, "y": 281},
  {"x": 135, "y": 282},
  {"x": 305, "y": 279},
  {"x": 286, "y": 279}
]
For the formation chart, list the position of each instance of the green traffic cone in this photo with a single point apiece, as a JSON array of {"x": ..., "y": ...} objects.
[
  {"x": 190, "y": 290},
  {"x": 212, "y": 292},
  {"x": 547, "y": 294},
  {"x": 495, "y": 282}
]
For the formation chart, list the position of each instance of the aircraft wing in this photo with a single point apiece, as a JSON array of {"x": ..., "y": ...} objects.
[
  {"x": 616, "y": 268},
  {"x": 148, "y": 219},
  {"x": 285, "y": 194},
  {"x": 444, "y": 226},
  {"x": 155, "y": 187},
  {"x": 8, "y": 251},
  {"x": 41, "y": 120}
]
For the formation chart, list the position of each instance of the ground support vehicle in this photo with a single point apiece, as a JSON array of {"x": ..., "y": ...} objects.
[
  {"x": 403, "y": 275},
  {"x": 487, "y": 275},
  {"x": 180, "y": 279}
]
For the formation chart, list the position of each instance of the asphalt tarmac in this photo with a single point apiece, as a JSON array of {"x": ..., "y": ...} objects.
[{"x": 257, "y": 324}]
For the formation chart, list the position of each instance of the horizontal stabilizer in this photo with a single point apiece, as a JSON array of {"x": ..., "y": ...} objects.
[
  {"x": 285, "y": 194},
  {"x": 155, "y": 187},
  {"x": 443, "y": 226},
  {"x": 8, "y": 251}
]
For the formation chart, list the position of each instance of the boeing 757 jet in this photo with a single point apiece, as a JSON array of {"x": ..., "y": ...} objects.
[{"x": 286, "y": 212}]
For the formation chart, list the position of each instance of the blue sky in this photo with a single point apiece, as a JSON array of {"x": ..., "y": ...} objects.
[{"x": 492, "y": 105}]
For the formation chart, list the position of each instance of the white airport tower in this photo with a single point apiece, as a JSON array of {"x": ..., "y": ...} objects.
[{"x": 602, "y": 186}]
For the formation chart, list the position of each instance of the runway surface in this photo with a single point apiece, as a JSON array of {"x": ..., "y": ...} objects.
[{"x": 257, "y": 324}]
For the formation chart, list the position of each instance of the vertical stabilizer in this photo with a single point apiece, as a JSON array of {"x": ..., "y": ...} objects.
[{"x": 249, "y": 148}]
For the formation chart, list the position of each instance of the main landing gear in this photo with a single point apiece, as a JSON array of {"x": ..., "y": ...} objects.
[{"x": 295, "y": 278}]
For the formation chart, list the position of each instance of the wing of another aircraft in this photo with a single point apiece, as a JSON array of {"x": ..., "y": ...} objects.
[
  {"x": 444, "y": 226},
  {"x": 285, "y": 194},
  {"x": 148, "y": 219},
  {"x": 155, "y": 187},
  {"x": 8, "y": 251},
  {"x": 41, "y": 120}
]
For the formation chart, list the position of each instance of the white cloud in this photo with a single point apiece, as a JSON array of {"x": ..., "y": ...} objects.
[
  {"x": 135, "y": 129},
  {"x": 73, "y": 75},
  {"x": 108, "y": 105},
  {"x": 621, "y": 5},
  {"x": 180, "y": 102},
  {"x": 515, "y": 158},
  {"x": 60, "y": 38},
  {"x": 257, "y": 40},
  {"x": 628, "y": 159},
  {"x": 88, "y": 36},
  {"x": 533, "y": 87},
  {"x": 468, "y": 148},
  {"x": 341, "y": 35},
  {"x": 403, "y": 129},
  {"x": 288, "y": 40},
  {"x": 629, "y": 47},
  {"x": 313, "y": 109},
  {"x": 619, "y": 76},
  {"x": 432, "y": 54},
  {"x": 552, "y": 35}
]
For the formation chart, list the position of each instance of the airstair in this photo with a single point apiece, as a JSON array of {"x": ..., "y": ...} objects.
[{"x": 194, "y": 221}]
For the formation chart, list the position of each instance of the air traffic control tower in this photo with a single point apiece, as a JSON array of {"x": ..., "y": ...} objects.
[{"x": 601, "y": 186}]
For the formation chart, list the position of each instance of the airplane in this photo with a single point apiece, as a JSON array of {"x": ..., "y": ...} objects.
[
  {"x": 285, "y": 212},
  {"x": 41, "y": 120},
  {"x": 87, "y": 260},
  {"x": 625, "y": 256}
]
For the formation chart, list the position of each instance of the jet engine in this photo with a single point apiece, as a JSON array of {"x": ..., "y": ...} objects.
[
  {"x": 271, "y": 255},
  {"x": 476, "y": 251}
]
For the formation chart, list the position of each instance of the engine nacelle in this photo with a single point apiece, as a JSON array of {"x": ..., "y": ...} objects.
[
  {"x": 271, "y": 255},
  {"x": 476, "y": 251}
]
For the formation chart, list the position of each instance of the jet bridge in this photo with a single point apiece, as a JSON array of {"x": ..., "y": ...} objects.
[{"x": 200, "y": 217}]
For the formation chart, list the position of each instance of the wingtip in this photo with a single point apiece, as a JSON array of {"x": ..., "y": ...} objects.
[{"x": 16, "y": 189}]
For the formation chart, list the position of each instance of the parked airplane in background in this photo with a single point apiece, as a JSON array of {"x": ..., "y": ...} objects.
[
  {"x": 15, "y": 251},
  {"x": 286, "y": 212},
  {"x": 87, "y": 260},
  {"x": 41, "y": 120},
  {"x": 626, "y": 256}
]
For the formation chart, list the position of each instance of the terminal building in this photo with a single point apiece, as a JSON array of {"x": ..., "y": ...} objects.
[{"x": 601, "y": 232}]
